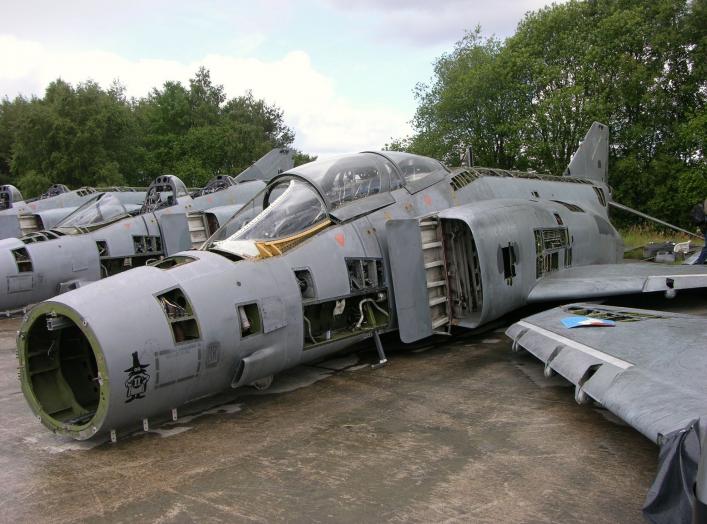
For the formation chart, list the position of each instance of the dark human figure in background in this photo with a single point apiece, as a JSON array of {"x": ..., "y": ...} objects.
[{"x": 699, "y": 217}]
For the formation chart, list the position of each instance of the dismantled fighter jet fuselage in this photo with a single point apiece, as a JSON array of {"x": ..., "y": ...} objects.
[
  {"x": 113, "y": 232},
  {"x": 328, "y": 254},
  {"x": 20, "y": 217}
]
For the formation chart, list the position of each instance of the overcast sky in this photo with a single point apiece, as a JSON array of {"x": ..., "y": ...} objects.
[{"x": 342, "y": 70}]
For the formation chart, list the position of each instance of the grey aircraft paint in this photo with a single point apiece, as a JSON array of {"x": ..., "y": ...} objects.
[
  {"x": 19, "y": 217},
  {"x": 110, "y": 234},
  {"x": 330, "y": 253},
  {"x": 649, "y": 370}
]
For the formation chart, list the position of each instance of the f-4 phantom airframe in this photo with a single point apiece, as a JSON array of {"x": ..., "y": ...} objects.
[
  {"x": 20, "y": 217},
  {"x": 110, "y": 233},
  {"x": 326, "y": 255}
]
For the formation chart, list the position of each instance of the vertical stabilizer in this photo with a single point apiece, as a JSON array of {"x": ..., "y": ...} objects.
[
  {"x": 272, "y": 164},
  {"x": 591, "y": 160}
]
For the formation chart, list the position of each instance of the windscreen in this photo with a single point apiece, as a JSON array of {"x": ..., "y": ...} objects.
[
  {"x": 285, "y": 208},
  {"x": 101, "y": 209}
]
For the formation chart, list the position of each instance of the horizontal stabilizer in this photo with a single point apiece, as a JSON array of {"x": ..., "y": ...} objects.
[{"x": 603, "y": 280}]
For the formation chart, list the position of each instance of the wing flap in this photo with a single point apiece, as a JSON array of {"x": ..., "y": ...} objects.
[{"x": 650, "y": 369}]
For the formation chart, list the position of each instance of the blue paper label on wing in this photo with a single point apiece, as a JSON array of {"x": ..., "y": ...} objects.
[{"x": 573, "y": 322}]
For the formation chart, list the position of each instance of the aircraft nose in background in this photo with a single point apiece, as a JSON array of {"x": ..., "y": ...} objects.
[
  {"x": 39, "y": 270},
  {"x": 16, "y": 273}
]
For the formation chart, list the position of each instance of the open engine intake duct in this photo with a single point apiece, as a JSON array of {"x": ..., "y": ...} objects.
[{"x": 63, "y": 372}]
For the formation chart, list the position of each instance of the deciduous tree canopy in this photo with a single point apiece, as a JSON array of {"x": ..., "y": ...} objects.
[
  {"x": 86, "y": 135},
  {"x": 637, "y": 65}
]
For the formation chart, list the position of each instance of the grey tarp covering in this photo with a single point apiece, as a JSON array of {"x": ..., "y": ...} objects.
[
  {"x": 650, "y": 371},
  {"x": 671, "y": 497}
]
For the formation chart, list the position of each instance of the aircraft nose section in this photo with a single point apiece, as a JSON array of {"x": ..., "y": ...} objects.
[
  {"x": 97, "y": 358},
  {"x": 63, "y": 371},
  {"x": 40, "y": 270},
  {"x": 137, "y": 345},
  {"x": 7, "y": 245}
]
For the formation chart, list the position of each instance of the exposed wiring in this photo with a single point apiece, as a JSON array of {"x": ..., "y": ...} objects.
[
  {"x": 309, "y": 330},
  {"x": 360, "y": 309},
  {"x": 173, "y": 310}
]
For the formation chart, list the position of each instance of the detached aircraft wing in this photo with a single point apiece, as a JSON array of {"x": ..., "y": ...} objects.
[
  {"x": 602, "y": 280},
  {"x": 649, "y": 369}
]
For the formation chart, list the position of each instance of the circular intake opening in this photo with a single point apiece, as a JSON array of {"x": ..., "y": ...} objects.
[{"x": 61, "y": 372}]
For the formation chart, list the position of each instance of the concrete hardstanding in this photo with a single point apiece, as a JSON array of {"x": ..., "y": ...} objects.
[{"x": 457, "y": 430}]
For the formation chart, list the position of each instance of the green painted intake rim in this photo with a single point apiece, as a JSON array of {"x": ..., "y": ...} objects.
[{"x": 63, "y": 371}]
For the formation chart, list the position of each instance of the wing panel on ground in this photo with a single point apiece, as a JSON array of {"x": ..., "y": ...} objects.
[{"x": 649, "y": 369}]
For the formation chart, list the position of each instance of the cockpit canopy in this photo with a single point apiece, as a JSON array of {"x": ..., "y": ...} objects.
[
  {"x": 54, "y": 190},
  {"x": 9, "y": 194},
  {"x": 343, "y": 179},
  {"x": 418, "y": 172},
  {"x": 217, "y": 183},
  {"x": 304, "y": 198},
  {"x": 163, "y": 192},
  {"x": 102, "y": 209}
]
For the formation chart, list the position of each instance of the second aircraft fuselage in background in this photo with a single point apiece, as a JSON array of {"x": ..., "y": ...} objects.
[{"x": 109, "y": 233}]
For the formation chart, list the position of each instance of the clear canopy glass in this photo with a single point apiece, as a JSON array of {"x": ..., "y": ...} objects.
[
  {"x": 343, "y": 179},
  {"x": 286, "y": 208},
  {"x": 101, "y": 209},
  {"x": 415, "y": 168},
  {"x": 293, "y": 204}
]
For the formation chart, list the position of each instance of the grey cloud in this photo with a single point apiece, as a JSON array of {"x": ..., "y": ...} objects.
[{"x": 423, "y": 23}]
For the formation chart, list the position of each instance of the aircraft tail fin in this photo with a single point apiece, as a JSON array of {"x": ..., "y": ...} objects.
[
  {"x": 272, "y": 164},
  {"x": 591, "y": 160}
]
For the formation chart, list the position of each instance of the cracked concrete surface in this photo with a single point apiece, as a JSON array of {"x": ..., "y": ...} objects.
[{"x": 463, "y": 430}]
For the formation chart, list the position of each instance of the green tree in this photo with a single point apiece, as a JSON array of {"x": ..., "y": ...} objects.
[
  {"x": 636, "y": 65},
  {"x": 195, "y": 132},
  {"x": 109, "y": 175},
  {"x": 33, "y": 184},
  {"x": 11, "y": 113},
  {"x": 302, "y": 158},
  {"x": 71, "y": 133},
  {"x": 87, "y": 135},
  {"x": 472, "y": 100}
]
